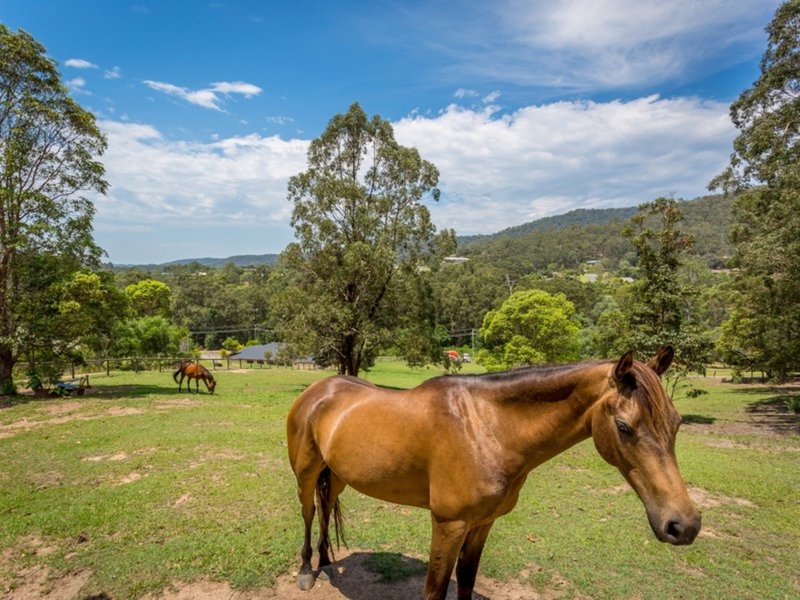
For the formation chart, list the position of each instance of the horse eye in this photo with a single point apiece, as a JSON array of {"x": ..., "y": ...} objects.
[{"x": 624, "y": 428}]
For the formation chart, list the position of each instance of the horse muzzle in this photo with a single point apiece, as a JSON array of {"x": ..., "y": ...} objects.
[{"x": 677, "y": 529}]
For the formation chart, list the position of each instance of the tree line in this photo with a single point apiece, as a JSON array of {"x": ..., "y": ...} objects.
[{"x": 369, "y": 273}]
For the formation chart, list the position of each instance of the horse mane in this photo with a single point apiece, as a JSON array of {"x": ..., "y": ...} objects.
[
  {"x": 550, "y": 380},
  {"x": 650, "y": 395},
  {"x": 534, "y": 371},
  {"x": 647, "y": 391}
]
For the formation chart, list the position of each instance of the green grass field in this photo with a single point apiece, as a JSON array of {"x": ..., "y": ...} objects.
[{"x": 136, "y": 486}]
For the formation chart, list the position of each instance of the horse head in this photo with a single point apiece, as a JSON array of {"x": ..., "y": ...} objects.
[
  {"x": 210, "y": 381},
  {"x": 634, "y": 429}
]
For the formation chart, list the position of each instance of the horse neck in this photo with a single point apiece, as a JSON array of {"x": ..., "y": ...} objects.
[{"x": 548, "y": 411}]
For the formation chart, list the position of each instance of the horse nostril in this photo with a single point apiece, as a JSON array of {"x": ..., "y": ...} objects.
[{"x": 674, "y": 529}]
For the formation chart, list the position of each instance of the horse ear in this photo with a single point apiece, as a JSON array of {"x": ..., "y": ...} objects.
[
  {"x": 661, "y": 361},
  {"x": 623, "y": 365}
]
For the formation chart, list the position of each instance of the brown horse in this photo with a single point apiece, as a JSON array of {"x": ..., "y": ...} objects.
[
  {"x": 197, "y": 372},
  {"x": 462, "y": 447}
]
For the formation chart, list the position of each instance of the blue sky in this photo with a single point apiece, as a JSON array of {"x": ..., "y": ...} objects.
[{"x": 528, "y": 108}]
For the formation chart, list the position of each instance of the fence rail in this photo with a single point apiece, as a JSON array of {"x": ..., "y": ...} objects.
[{"x": 148, "y": 363}]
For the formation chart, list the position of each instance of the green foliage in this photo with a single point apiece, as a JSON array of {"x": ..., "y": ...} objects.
[
  {"x": 765, "y": 172},
  {"x": 48, "y": 145},
  {"x": 567, "y": 243},
  {"x": 203, "y": 300},
  {"x": 362, "y": 234},
  {"x": 147, "y": 336},
  {"x": 231, "y": 345},
  {"x": 150, "y": 298},
  {"x": 89, "y": 308},
  {"x": 34, "y": 381},
  {"x": 530, "y": 327},
  {"x": 656, "y": 315}
]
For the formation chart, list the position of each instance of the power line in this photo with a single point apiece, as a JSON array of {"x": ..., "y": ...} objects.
[{"x": 246, "y": 328}]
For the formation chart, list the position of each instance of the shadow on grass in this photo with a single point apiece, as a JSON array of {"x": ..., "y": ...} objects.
[
  {"x": 102, "y": 391},
  {"x": 369, "y": 575},
  {"x": 138, "y": 391},
  {"x": 775, "y": 414},
  {"x": 766, "y": 388},
  {"x": 697, "y": 420}
]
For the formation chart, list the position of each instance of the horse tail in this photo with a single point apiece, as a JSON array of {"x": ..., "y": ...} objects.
[
  {"x": 335, "y": 511},
  {"x": 176, "y": 373}
]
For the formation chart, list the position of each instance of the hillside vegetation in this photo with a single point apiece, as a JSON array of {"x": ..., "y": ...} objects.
[{"x": 566, "y": 241}]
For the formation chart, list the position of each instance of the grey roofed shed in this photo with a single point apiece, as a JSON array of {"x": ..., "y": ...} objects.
[{"x": 256, "y": 352}]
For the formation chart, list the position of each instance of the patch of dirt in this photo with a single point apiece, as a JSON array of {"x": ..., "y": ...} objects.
[
  {"x": 354, "y": 581},
  {"x": 106, "y": 457},
  {"x": 712, "y": 534},
  {"x": 130, "y": 478},
  {"x": 705, "y": 499},
  {"x": 62, "y": 413},
  {"x": 717, "y": 442},
  {"x": 37, "y": 582},
  {"x": 223, "y": 454},
  {"x": 63, "y": 407},
  {"x": 40, "y": 583},
  {"x": 182, "y": 500},
  {"x": 178, "y": 403},
  {"x": 124, "y": 411}
]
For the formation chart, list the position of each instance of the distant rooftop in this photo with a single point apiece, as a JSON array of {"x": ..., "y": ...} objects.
[{"x": 256, "y": 352}]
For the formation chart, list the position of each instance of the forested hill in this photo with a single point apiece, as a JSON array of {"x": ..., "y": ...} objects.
[
  {"x": 580, "y": 216},
  {"x": 240, "y": 260},
  {"x": 561, "y": 241},
  {"x": 566, "y": 241}
]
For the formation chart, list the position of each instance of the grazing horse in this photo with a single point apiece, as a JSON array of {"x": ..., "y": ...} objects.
[
  {"x": 462, "y": 446},
  {"x": 197, "y": 372}
]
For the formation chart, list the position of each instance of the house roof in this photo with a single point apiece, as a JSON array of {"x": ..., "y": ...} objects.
[{"x": 256, "y": 352}]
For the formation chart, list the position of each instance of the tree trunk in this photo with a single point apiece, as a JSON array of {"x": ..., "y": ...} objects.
[
  {"x": 6, "y": 366},
  {"x": 349, "y": 361}
]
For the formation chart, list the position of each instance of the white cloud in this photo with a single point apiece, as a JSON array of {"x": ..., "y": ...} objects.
[
  {"x": 208, "y": 97},
  {"x": 586, "y": 44},
  {"x": 112, "y": 73},
  {"x": 503, "y": 170},
  {"x": 79, "y": 63},
  {"x": 279, "y": 120},
  {"x": 491, "y": 97},
  {"x": 465, "y": 93},
  {"x": 77, "y": 85},
  {"x": 228, "y": 181},
  {"x": 248, "y": 90},
  {"x": 628, "y": 42},
  {"x": 497, "y": 170}
]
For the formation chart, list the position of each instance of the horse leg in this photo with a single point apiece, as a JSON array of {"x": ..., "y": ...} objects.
[
  {"x": 331, "y": 491},
  {"x": 468, "y": 560},
  {"x": 307, "y": 465},
  {"x": 447, "y": 537},
  {"x": 180, "y": 383}
]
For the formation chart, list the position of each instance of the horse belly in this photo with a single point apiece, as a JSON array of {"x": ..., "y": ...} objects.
[{"x": 386, "y": 467}]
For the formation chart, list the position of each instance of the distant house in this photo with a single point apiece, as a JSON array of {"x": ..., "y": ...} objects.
[
  {"x": 455, "y": 259},
  {"x": 257, "y": 354}
]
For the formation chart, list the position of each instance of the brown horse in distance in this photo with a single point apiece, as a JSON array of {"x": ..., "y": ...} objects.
[
  {"x": 462, "y": 446},
  {"x": 195, "y": 371}
]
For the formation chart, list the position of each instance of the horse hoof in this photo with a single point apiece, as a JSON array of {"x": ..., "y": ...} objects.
[
  {"x": 326, "y": 573},
  {"x": 305, "y": 581}
]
